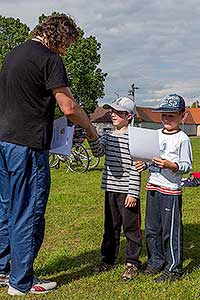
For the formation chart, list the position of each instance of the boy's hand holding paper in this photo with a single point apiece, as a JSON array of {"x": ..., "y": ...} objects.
[
  {"x": 165, "y": 164},
  {"x": 140, "y": 165}
]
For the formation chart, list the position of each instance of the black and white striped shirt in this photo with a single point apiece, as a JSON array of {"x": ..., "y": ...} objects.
[{"x": 119, "y": 173}]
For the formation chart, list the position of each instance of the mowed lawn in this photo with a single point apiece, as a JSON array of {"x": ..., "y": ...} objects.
[{"x": 74, "y": 228}]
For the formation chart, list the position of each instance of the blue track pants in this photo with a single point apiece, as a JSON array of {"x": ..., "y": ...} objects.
[{"x": 24, "y": 190}]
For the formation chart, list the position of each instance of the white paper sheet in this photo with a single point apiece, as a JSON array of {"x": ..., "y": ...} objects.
[
  {"x": 143, "y": 143},
  {"x": 62, "y": 138}
]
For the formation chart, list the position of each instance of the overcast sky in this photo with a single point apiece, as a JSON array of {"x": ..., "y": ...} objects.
[{"x": 153, "y": 43}]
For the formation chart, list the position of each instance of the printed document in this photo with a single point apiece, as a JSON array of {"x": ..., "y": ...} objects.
[
  {"x": 143, "y": 143},
  {"x": 62, "y": 138}
]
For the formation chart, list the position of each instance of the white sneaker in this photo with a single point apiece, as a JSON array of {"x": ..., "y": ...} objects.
[
  {"x": 4, "y": 279},
  {"x": 39, "y": 287},
  {"x": 14, "y": 292}
]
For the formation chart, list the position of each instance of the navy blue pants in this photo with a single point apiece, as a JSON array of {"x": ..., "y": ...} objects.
[
  {"x": 24, "y": 190},
  {"x": 117, "y": 216},
  {"x": 164, "y": 231}
]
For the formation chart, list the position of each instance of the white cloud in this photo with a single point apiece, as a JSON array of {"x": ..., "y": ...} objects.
[{"x": 153, "y": 43}]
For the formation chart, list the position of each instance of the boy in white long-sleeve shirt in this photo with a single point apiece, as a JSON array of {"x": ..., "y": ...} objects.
[{"x": 163, "y": 223}]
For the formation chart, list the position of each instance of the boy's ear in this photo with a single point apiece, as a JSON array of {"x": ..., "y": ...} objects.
[
  {"x": 130, "y": 117},
  {"x": 183, "y": 116}
]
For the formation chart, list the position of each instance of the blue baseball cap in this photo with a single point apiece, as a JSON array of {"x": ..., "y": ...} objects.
[
  {"x": 123, "y": 104},
  {"x": 171, "y": 103}
]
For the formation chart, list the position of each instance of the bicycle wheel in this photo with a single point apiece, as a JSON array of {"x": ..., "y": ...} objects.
[
  {"x": 93, "y": 160},
  {"x": 53, "y": 161},
  {"x": 78, "y": 161}
]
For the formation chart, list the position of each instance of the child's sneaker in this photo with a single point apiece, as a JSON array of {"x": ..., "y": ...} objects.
[
  {"x": 103, "y": 267},
  {"x": 130, "y": 272},
  {"x": 4, "y": 279},
  {"x": 167, "y": 276},
  {"x": 39, "y": 287},
  {"x": 151, "y": 270}
]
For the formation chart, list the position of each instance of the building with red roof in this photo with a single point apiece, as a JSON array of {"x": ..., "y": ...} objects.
[{"x": 147, "y": 119}]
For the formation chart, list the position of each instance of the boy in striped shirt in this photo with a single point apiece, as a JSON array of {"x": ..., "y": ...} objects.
[
  {"x": 163, "y": 223},
  {"x": 121, "y": 182}
]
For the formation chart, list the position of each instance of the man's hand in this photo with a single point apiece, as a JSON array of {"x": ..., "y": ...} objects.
[
  {"x": 73, "y": 110},
  {"x": 165, "y": 164},
  {"x": 130, "y": 201},
  {"x": 140, "y": 165},
  {"x": 91, "y": 133}
]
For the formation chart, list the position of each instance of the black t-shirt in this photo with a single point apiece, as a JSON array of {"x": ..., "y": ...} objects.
[{"x": 29, "y": 73}]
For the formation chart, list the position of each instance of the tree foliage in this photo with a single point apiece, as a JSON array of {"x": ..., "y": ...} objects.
[
  {"x": 195, "y": 104},
  {"x": 81, "y": 60},
  {"x": 86, "y": 78},
  {"x": 12, "y": 34}
]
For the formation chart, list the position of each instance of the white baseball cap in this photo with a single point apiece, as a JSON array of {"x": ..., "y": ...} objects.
[{"x": 123, "y": 104}]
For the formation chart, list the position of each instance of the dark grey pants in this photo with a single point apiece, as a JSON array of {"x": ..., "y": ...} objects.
[
  {"x": 164, "y": 231},
  {"x": 116, "y": 216}
]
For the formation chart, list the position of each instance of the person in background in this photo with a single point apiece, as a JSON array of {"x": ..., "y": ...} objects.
[
  {"x": 32, "y": 79},
  {"x": 163, "y": 224},
  {"x": 121, "y": 183}
]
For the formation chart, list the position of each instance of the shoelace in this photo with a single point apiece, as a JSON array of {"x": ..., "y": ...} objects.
[
  {"x": 152, "y": 270},
  {"x": 36, "y": 280},
  {"x": 130, "y": 269}
]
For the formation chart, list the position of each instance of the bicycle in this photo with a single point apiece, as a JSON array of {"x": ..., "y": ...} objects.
[
  {"x": 81, "y": 158},
  {"x": 79, "y": 136},
  {"x": 93, "y": 160},
  {"x": 77, "y": 161}
]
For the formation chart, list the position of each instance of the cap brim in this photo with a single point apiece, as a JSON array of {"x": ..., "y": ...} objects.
[
  {"x": 107, "y": 106},
  {"x": 162, "y": 110},
  {"x": 119, "y": 108},
  {"x": 114, "y": 106}
]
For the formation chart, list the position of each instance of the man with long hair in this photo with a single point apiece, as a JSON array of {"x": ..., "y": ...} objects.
[{"x": 32, "y": 79}]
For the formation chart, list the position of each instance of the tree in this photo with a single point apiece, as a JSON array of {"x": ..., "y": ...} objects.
[
  {"x": 12, "y": 34},
  {"x": 81, "y": 60},
  {"x": 195, "y": 104},
  {"x": 86, "y": 78}
]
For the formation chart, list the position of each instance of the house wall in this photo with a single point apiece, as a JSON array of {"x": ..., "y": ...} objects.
[
  {"x": 102, "y": 127},
  {"x": 151, "y": 125},
  {"x": 190, "y": 130},
  {"x": 198, "y": 130}
]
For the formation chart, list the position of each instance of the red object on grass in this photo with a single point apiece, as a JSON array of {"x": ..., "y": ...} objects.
[{"x": 196, "y": 174}]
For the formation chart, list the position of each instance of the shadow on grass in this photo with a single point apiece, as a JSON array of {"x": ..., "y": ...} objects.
[
  {"x": 83, "y": 265},
  {"x": 98, "y": 168},
  {"x": 74, "y": 267},
  {"x": 192, "y": 246},
  {"x": 79, "y": 266}
]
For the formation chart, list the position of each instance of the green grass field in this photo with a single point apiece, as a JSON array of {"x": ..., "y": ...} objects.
[{"x": 74, "y": 228}]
